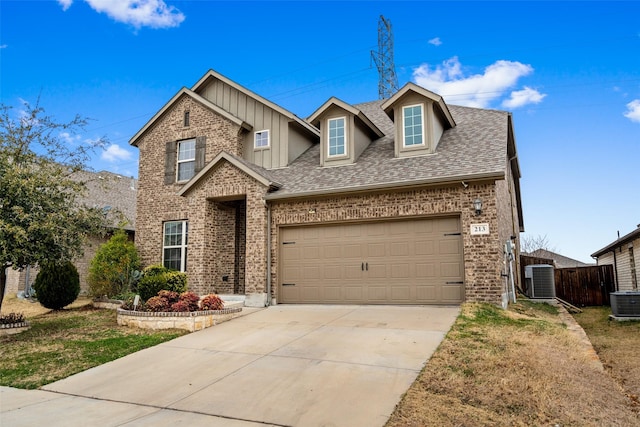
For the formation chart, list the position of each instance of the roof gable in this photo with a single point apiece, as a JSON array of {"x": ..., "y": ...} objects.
[
  {"x": 211, "y": 74},
  {"x": 438, "y": 101},
  {"x": 203, "y": 101},
  {"x": 253, "y": 171},
  {"x": 314, "y": 119}
]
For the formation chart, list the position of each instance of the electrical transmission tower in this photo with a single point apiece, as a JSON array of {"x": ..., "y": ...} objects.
[{"x": 388, "y": 81}]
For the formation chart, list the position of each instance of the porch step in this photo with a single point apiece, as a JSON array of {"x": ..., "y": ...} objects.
[{"x": 232, "y": 301}]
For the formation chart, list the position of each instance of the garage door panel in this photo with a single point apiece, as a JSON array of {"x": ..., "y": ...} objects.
[
  {"x": 449, "y": 247},
  {"x": 353, "y": 293},
  {"x": 400, "y": 294},
  {"x": 426, "y": 294},
  {"x": 377, "y": 293},
  {"x": 376, "y": 250},
  {"x": 424, "y": 247},
  {"x": 424, "y": 270},
  {"x": 397, "y": 262},
  {"x": 377, "y": 271}
]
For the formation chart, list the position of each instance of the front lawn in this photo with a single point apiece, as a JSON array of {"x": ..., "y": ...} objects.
[
  {"x": 520, "y": 367},
  {"x": 617, "y": 345},
  {"x": 65, "y": 342}
]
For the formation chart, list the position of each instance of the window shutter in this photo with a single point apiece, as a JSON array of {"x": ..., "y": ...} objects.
[
  {"x": 170, "y": 163},
  {"x": 201, "y": 143}
]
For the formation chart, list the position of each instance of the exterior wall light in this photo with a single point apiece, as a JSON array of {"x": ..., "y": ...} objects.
[{"x": 477, "y": 205}]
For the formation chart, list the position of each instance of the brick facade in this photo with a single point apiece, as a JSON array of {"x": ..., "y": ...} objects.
[
  {"x": 227, "y": 211},
  {"x": 482, "y": 254}
]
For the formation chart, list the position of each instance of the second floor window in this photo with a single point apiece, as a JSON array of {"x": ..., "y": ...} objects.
[
  {"x": 186, "y": 159},
  {"x": 413, "y": 125},
  {"x": 261, "y": 139},
  {"x": 337, "y": 139}
]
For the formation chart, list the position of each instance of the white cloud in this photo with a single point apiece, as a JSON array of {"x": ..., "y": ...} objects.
[
  {"x": 633, "y": 111},
  {"x": 68, "y": 138},
  {"x": 435, "y": 41},
  {"x": 478, "y": 90},
  {"x": 523, "y": 97},
  {"x": 139, "y": 13},
  {"x": 65, "y": 4},
  {"x": 115, "y": 153}
]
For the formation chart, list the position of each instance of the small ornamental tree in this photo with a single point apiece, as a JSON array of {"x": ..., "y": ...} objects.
[
  {"x": 57, "y": 285},
  {"x": 114, "y": 267}
]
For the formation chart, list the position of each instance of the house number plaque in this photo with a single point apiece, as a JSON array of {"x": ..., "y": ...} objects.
[{"x": 479, "y": 229}]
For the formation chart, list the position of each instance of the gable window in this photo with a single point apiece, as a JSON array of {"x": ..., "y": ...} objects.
[
  {"x": 186, "y": 119},
  {"x": 337, "y": 140},
  {"x": 413, "y": 121},
  {"x": 174, "y": 245},
  {"x": 261, "y": 139},
  {"x": 186, "y": 159}
]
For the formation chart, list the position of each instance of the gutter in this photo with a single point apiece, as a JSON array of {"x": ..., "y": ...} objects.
[{"x": 389, "y": 185}]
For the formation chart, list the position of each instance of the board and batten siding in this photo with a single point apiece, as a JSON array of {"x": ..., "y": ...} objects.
[{"x": 260, "y": 117}]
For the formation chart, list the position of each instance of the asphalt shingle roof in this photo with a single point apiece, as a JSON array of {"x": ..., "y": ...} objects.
[
  {"x": 477, "y": 146},
  {"x": 115, "y": 194}
]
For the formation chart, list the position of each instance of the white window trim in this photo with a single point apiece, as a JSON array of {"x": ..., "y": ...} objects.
[
  {"x": 255, "y": 140},
  {"x": 178, "y": 161},
  {"x": 182, "y": 246},
  {"x": 423, "y": 143},
  {"x": 346, "y": 142}
]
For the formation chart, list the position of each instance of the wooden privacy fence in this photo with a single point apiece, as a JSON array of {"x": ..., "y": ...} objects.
[
  {"x": 580, "y": 286},
  {"x": 585, "y": 286}
]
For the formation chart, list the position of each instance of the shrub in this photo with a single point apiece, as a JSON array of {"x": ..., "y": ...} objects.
[
  {"x": 157, "y": 304},
  {"x": 114, "y": 268},
  {"x": 170, "y": 296},
  {"x": 211, "y": 302},
  {"x": 11, "y": 318},
  {"x": 157, "y": 278},
  {"x": 180, "y": 306},
  {"x": 192, "y": 300},
  {"x": 57, "y": 285}
]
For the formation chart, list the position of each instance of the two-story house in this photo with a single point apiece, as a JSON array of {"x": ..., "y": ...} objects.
[{"x": 402, "y": 201}]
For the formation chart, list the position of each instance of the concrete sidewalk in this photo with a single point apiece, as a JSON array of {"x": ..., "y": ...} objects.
[{"x": 284, "y": 366}]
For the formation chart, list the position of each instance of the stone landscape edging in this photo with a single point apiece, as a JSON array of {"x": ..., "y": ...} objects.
[
  {"x": 189, "y": 321},
  {"x": 13, "y": 328}
]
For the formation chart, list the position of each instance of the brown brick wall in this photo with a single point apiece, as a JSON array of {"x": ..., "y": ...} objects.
[{"x": 482, "y": 254}]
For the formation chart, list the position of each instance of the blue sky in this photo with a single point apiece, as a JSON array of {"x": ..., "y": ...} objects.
[{"x": 569, "y": 72}]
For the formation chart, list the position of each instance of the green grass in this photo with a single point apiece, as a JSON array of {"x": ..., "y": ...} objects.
[{"x": 63, "y": 343}]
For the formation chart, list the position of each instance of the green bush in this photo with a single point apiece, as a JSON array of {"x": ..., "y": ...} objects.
[
  {"x": 57, "y": 285},
  {"x": 114, "y": 269},
  {"x": 156, "y": 278}
]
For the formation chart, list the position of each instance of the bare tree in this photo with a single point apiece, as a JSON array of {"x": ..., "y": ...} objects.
[{"x": 530, "y": 244}]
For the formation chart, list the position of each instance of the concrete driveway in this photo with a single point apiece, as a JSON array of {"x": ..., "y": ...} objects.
[{"x": 287, "y": 365}]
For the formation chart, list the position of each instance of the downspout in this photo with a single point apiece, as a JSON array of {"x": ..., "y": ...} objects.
[
  {"x": 615, "y": 269},
  {"x": 268, "y": 206}
]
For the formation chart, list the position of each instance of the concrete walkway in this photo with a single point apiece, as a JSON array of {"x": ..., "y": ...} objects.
[{"x": 283, "y": 366}]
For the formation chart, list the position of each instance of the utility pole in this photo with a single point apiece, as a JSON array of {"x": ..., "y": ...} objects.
[{"x": 388, "y": 81}]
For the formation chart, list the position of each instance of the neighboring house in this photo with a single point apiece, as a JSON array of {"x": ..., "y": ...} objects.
[
  {"x": 560, "y": 261},
  {"x": 116, "y": 196},
  {"x": 367, "y": 204},
  {"x": 624, "y": 255}
]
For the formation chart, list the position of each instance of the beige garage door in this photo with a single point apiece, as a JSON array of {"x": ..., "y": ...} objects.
[{"x": 392, "y": 262}]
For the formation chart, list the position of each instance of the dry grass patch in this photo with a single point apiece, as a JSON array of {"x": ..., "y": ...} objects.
[
  {"x": 617, "y": 345},
  {"x": 519, "y": 367},
  {"x": 65, "y": 342}
]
